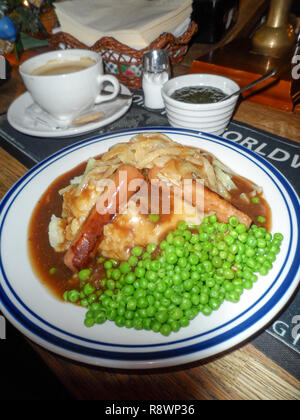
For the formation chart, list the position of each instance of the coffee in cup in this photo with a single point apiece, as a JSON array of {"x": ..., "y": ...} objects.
[
  {"x": 57, "y": 67},
  {"x": 66, "y": 83}
]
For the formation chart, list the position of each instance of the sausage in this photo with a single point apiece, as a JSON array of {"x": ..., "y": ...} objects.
[
  {"x": 214, "y": 203},
  {"x": 205, "y": 199},
  {"x": 90, "y": 235}
]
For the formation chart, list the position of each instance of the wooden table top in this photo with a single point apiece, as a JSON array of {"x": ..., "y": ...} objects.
[{"x": 242, "y": 373}]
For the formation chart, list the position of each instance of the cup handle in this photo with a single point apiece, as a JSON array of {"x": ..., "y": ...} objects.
[{"x": 116, "y": 85}]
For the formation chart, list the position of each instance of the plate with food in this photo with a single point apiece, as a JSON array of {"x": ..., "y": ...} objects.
[{"x": 148, "y": 248}]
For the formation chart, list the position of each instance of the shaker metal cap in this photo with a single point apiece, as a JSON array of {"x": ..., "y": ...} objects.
[{"x": 156, "y": 61}]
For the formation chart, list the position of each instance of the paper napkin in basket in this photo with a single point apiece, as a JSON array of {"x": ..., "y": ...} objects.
[{"x": 135, "y": 23}]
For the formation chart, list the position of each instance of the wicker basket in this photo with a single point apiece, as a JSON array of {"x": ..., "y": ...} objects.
[{"x": 124, "y": 62}]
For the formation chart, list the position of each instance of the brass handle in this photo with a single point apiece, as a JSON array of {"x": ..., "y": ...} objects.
[
  {"x": 277, "y": 37},
  {"x": 279, "y": 12}
]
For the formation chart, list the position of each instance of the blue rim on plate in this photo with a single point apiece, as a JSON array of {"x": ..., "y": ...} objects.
[{"x": 157, "y": 354}]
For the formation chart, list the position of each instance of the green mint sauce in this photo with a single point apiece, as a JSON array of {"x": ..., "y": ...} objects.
[{"x": 199, "y": 95}]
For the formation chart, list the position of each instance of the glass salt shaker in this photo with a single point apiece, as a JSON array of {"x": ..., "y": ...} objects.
[{"x": 156, "y": 72}]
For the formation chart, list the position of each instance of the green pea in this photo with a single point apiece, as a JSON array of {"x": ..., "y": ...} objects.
[
  {"x": 182, "y": 262},
  {"x": 210, "y": 230},
  {"x": 250, "y": 252},
  {"x": 271, "y": 257},
  {"x": 251, "y": 263},
  {"x": 131, "y": 304},
  {"x": 193, "y": 259},
  {"x": 229, "y": 274},
  {"x": 133, "y": 261},
  {"x": 165, "y": 330},
  {"x": 130, "y": 278},
  {"x": 248, "y": 285},
  {"x": 196, "y": 238},
  {"x": 137, "y": 251},
  {"x": 187, "y": 234},
  {"x": 234, "y": 221},
  {"x": 223, "y": 255},
  {"x": 182, "y": 225},
  {"x": 100, "y": 318},
  {"x": 116, "y": 274},
  {"x": 264, "y": 271},
  {"x": 222, "y": 228},
  {"x": 195, "y": 299},
  {"x": 161, "y": 316},
  {"x": 179, "y": 241},
  {"x": 243, "y": 237},
  {"x": 151, "y": 248},
  {"x": 268, "y": 236},
  {"x": 84, "y": 275},
  {"x": 142, "y": 303},
  {"x": 261, "y": 219},
  {"x": 147, "y": 324},
  {"x": 207, "y": 310},
  {"x": 73, "y": 296},
  {"x": 188, "y": 285},
  {"x": 184, "y": 322},
  {"x": 175, "y": 326},
  {"x": 172, "y": 258},
  {"x": 146, "y": 256},
  {"x": 151, "y": 311},
  {"x": 124, "y": 267},
  {"x": 129, "y": 315},
  {"x": 170, "y": 238},
  {"x": 120, "y": 321},
  {"x": 241, "y": 228},
  {"x": 233, "y": 296},
  {"x": 89, "y": 322},
  {"x": 163, "y": 245},
  {"x": 155, "y": 326},
  {"x": 108, "y": 265},
  {"x": 213, "y": 219},
  {"x": 151, "y": 276},
  {"x": 88, "y": 289},
  {"x": 229, "y": 239},
  {"x": 180, "y": 252},
  {"x": 186, "y": 304},
  {"x": 84, "y": 303},
  {"x": 154, "y": 218},
  {"x": 279, "y": 237},
  {"x": 140, "y": 272}
]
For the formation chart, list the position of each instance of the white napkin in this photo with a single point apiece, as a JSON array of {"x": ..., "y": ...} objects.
[{"x": 135, "y": 23}]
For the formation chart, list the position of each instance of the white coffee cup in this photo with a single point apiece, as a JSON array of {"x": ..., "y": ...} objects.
[{"x": 66, "y": 96}]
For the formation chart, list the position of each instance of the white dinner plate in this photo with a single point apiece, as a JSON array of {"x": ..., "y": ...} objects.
[
  {"x": 58, "y": 326},
  {"x": 21, "y": 121}
]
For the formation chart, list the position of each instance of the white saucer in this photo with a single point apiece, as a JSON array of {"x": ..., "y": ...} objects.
[{"x": 20, "y": 121}]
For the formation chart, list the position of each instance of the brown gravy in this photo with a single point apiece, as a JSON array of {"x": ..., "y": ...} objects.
[
  {"x": 42, "y": 255},
  {"x": 44, "y": 258},
  {"x": 253, "y": 210}
]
